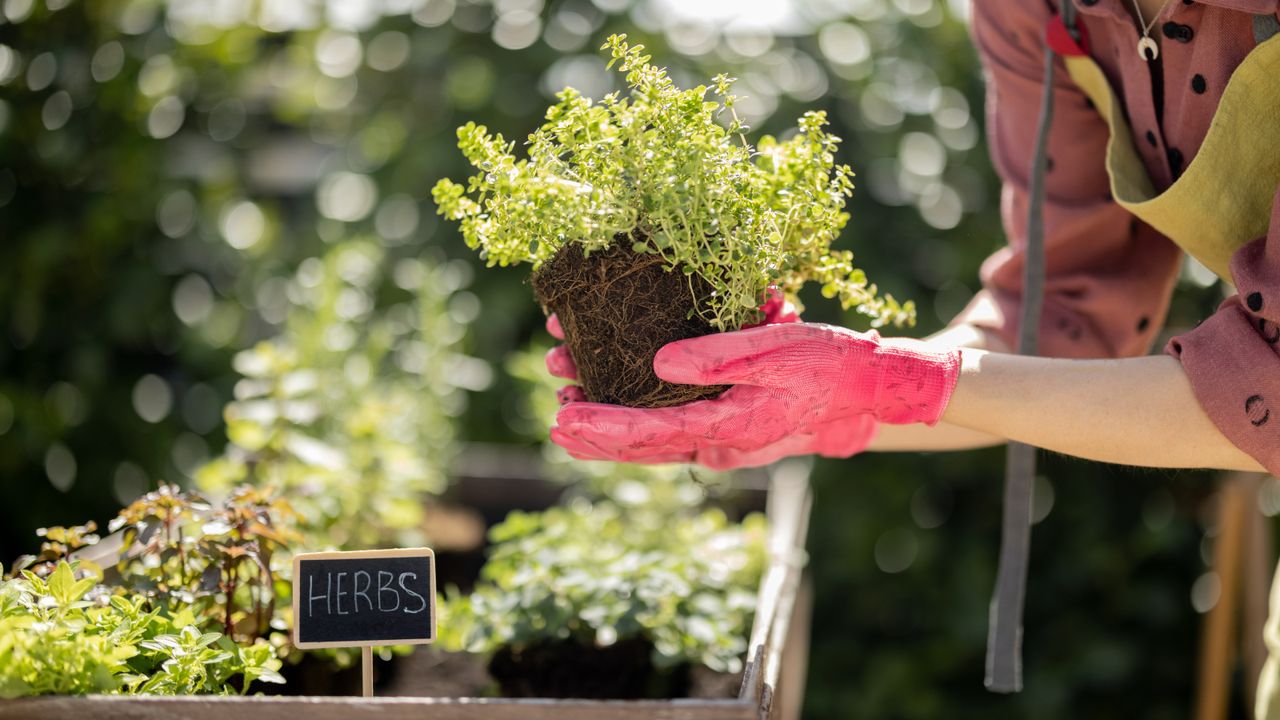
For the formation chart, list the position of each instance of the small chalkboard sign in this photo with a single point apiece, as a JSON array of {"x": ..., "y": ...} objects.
[{"x": 364, "y": 598}]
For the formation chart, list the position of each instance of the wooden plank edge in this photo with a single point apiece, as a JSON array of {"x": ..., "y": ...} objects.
[
  {"x": 122, "y": 707},
  {"x": 788, "y": 510}
]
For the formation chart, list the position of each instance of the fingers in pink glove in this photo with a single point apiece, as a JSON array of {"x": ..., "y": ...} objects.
[
  {"x": 570, "y": 393},
  {"x": 717, "y": 457},
  {"x": 739, "y": 418},
  {"x": 777, "y": 309},
  {"x": 585, "y": 450},
  {"x": 560, "y": 363},
  {"x": 553, "y": 327},
  {"x": 768, "y": 355},
  {"x": 663, "y": 445},
  {"x": 846, "y": 437}
]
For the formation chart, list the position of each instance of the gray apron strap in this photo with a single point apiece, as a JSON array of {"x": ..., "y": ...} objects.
[
  {"x": 1264, "y": 27},
  {"x": 1004, "y": 634}
]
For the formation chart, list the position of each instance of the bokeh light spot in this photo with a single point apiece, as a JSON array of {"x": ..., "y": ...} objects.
[
  {"x": 242, "y": 224},
  {"x": 192, "y": 299},
  {"x": 41, "y": 71},
  {"x": 567, "y": 31},
  {"x": 434, "y": 13},
  {"x": 397, "y": 218},
  {"x": 346, "y": 196},
  {"x": 226, "y": 120},
  {"x": 388, "y": 51},
  {"x": 128, "y": 483},
  {"x": 152, "y": 398},
  {"x": 166, "y": 117},
  {"x": 844, "y": 43},
  {"x": 56, "y": 110},
  {"x": 158, "y": 76},
  {"x": 581, "y": 72},
  {"x": 107, "y": 61},
  {"x": 338, "y": 54},
  {"x": 1205, "y": 592},
  {"x": 60, "y": 467},
  {"x": 176, "y": 213},
  {"x": 517, "y": 30},
  {"x": 10, "y": 64},
  {"x": 940, "y": 206},
  {"x": 895, "y": 550},
  {"x": 1042, "y": 499},
  {"x": 18, "y": 10},
  {"x": 921, "y": 154}
]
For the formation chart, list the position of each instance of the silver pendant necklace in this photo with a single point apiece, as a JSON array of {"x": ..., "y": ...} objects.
[{"x": 1147, "y": 48}]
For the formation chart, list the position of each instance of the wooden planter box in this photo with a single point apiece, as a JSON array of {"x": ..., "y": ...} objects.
[{"x": 772, "y": 685}]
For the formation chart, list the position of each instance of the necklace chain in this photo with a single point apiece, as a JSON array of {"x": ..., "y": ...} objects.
[
  {"x": 1146, "y": 26},
  {"x": 1148, "y": 49}
]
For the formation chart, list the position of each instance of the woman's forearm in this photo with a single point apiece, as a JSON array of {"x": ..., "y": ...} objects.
[
  {"x": 1137, "y": 411},
  {"x": 943, "y": 436}
]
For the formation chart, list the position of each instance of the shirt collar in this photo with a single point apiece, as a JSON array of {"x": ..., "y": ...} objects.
[{"x": 1119, "y": 8}]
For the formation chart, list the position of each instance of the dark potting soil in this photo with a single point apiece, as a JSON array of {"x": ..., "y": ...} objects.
[
  {"x": 569, "y": 669},
  {"x": 428, "y": 672},
  {"x": 617, "y": 308}
]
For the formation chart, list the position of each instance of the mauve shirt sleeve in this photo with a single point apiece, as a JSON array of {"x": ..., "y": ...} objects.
[
  {"x": 1108, "y": 276},
  {"x": 1233, "y": 358}
]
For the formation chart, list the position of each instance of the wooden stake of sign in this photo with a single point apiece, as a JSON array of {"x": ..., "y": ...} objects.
[
  {"x": 364, "y": 598},
  {"x": 366, "y": 671}
]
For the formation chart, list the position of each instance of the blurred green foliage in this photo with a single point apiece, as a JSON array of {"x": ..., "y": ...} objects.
[
  {"x": 600, "y": 573},
  {"x": 349, "y": 411},
  {"x": 171, "y": 171}
]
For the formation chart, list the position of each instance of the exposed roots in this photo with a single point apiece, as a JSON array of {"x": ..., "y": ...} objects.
[{"x": 617, "y": 308}]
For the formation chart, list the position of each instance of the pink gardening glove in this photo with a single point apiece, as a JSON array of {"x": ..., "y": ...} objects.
[
  {"x": 560, "y": 363},
  {"x": 797, "y": 388}
]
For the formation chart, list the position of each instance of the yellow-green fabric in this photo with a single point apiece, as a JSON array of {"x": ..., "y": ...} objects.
[
  {"x": 1223, "y": 199},
  {"x": 1220, "y": 203}
]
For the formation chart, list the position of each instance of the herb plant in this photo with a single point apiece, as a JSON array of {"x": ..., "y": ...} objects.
[
  {"x": 670, "y": 170},
  {"x": 183, "y": 552},
  {"x": 598, "y": 574},
  {"x": 194, "y": 578},
  {"x": 68, "y": 634}
]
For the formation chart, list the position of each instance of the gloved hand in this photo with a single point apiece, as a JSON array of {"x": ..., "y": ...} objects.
[
  {"x": 797, "y": 388},
  {"x": 560, "y": 363}
]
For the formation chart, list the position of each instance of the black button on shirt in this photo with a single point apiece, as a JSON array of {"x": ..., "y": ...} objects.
[
  {"x": 1175, "y": 161},
  {"x": 1179, "y": 32},
  {"x": 1198, "y": 84}
]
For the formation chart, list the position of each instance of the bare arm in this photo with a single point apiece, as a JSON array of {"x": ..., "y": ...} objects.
[{"x": 1135, "y": 411}]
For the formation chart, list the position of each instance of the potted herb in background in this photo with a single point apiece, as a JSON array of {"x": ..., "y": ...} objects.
[
  {"x": 189, "y": 609},
  {"x": 649, "y": 218},
  {"x": 598, "y": 600}
]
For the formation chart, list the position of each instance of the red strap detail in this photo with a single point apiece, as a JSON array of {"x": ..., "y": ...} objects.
[{"x": 1061, "y": 41}]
